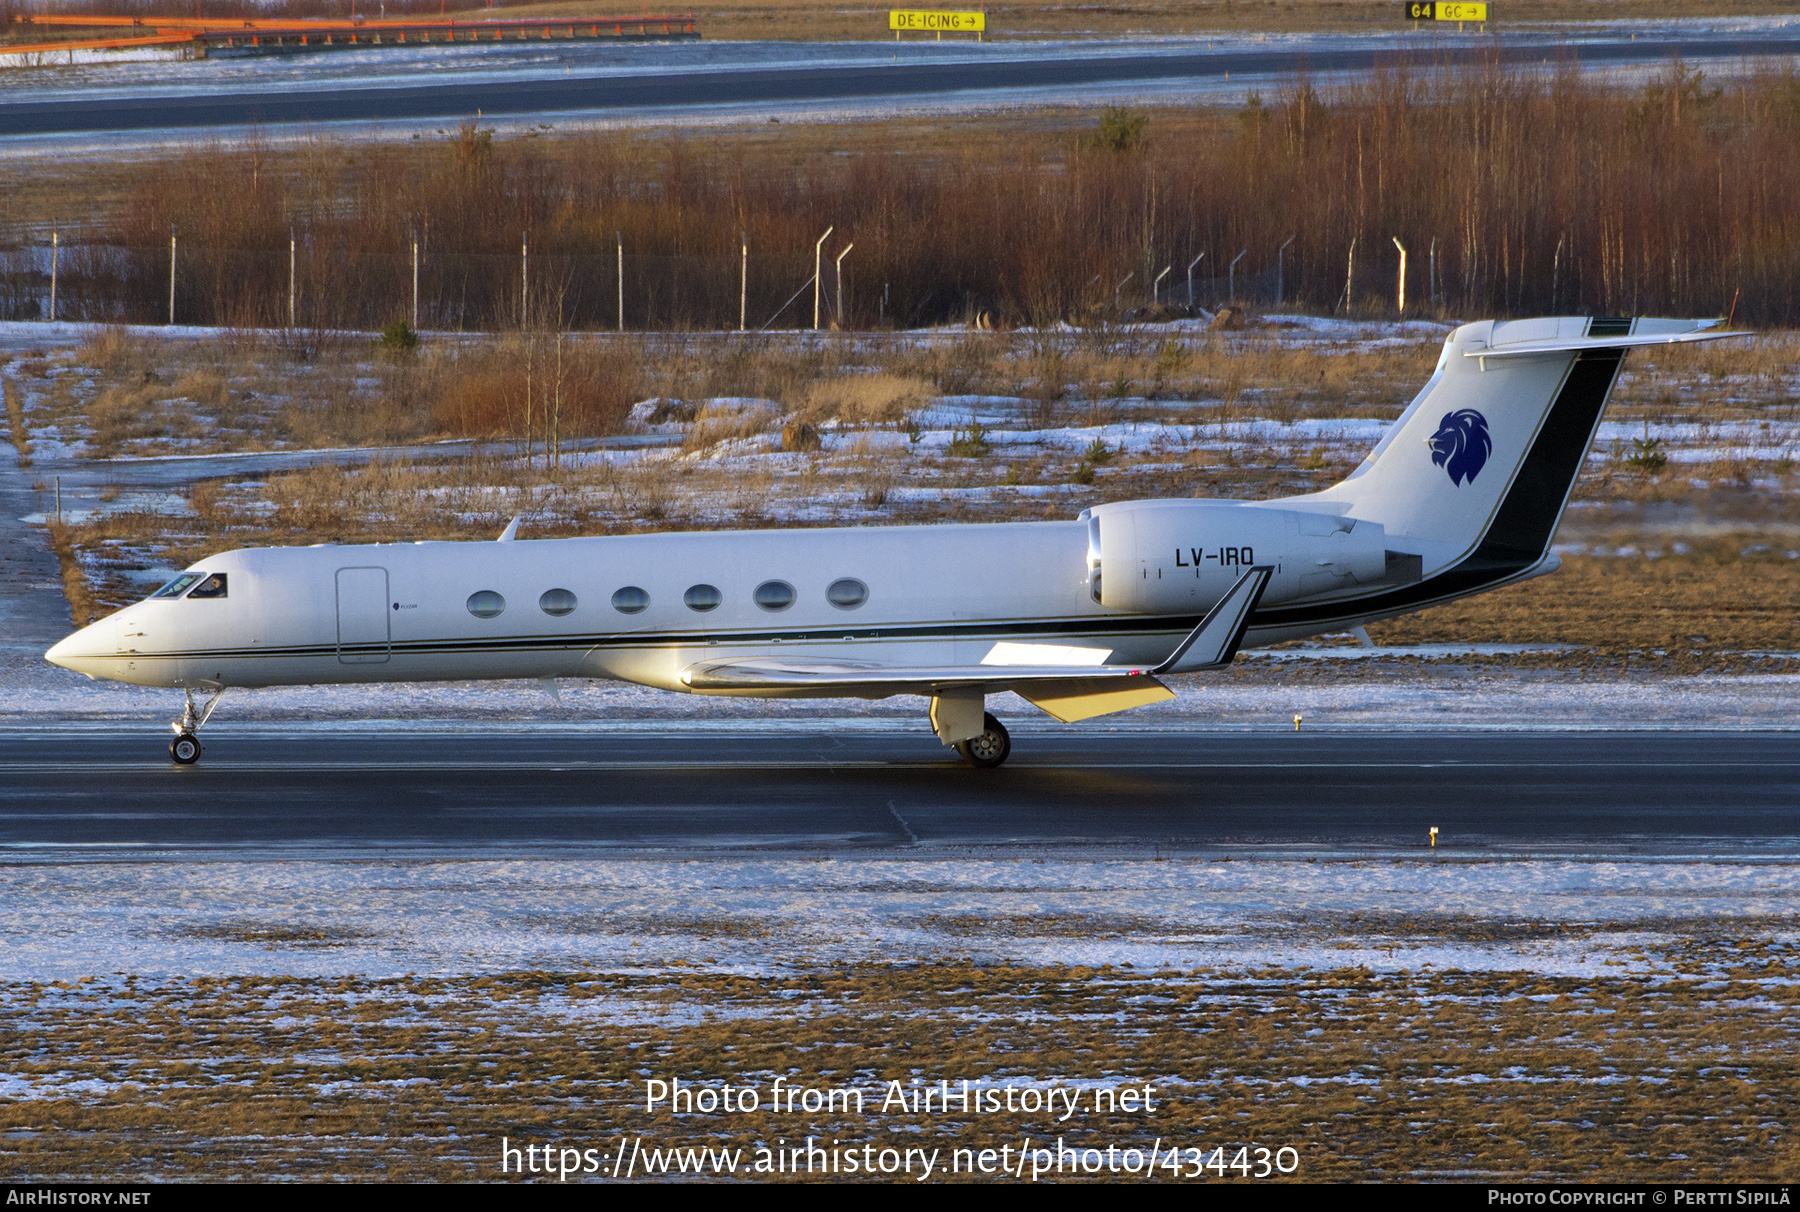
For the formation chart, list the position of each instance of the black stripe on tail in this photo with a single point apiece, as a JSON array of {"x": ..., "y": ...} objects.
[{"x": 1520, "y": 533}]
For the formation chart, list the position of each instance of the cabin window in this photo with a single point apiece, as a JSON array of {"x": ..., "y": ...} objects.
[
  {"x": 486, "y": 604},
  {"x": 847, "y": 594},
  {"x": 703, "y": 597},
  {"x": 212, "y": 585},
  {"x": 630, "y": 600},
  {"x": 178, "y": 586},
  {"x": 775, "y": 595},
  {"x": 557, "y": 602}
]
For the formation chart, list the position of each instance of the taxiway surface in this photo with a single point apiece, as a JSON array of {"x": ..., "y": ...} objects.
[
  {"x": 100, "y": 791},
  {"x": 671, "y": 87}
]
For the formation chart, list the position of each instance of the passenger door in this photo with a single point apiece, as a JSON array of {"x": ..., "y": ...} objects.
[{"x": 363, "y": 616}]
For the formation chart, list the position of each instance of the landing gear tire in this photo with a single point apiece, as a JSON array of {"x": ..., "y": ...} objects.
[
  {"x": 185, "y": 749},
  {"x": 990, "y": 748}
]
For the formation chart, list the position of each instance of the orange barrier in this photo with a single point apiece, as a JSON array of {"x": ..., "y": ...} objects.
[
  {"x": 257, "y": 33},
  {"x": 41, "y": 48},
  {"x": 359, "y": 24}
]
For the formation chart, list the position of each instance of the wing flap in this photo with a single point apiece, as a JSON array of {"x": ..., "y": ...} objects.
[{"x": 1076, "y": 699}]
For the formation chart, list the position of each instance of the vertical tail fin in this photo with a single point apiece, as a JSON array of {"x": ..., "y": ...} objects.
[{"x": 1486, "y": 456}]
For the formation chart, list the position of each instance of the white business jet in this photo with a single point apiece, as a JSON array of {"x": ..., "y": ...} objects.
[{"x": 1081, "y": 618}]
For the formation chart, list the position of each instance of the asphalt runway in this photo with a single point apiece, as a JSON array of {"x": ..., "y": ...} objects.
[
  {"x": 338, "y": 102},
  {"x": 103, "y": 793}
]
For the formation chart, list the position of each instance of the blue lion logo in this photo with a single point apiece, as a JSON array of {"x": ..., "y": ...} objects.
[{"x": 1461, "y": 445}]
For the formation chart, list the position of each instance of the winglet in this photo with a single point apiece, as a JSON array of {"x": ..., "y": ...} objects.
[
  {"x": 1215, "y": 642},
  {"x": 511, "y": 532}
]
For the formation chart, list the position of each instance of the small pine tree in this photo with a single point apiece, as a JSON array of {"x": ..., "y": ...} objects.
[
  {"x": 1120, "y": 129},
  {"x": 399, "y": 337}
]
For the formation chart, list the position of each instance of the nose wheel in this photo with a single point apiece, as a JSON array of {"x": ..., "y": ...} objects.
[
  {"x": 988, "y": 749},
  {"x": 184, "y": 750}
]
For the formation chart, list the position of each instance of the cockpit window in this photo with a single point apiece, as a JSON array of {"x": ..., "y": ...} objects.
[
  {"x": 213, "y": 586},
  {"x": 178, "y": 586}
]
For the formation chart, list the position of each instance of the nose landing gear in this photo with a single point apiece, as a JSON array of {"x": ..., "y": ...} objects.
[{"x": 185, "y": 748}]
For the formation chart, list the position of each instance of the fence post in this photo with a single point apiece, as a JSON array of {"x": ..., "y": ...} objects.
[
  {"x": 1191, "y": 265},
  {"x": 1349, "y": 275},
  {"x": 840, "y": 282},
  {"x": 1280, "y": 267},
  {"x": 1556, "y": 276},
  {"x": 620, "y": 236},
  {"x": 291, "y": 244},
  {"x": 54, "y": 249},
  {"x": 818, "y": 251},
  {"x": 524, "y": 280},
  {"x": 171, "y": 275},
  {"x": 1231, "y": 274},
  {"x": 744, "y": 284},
  {"x": 1154, "y": 285},
  {"x": 415, "y": 306},
  {"x": 1402, "y": 249}
]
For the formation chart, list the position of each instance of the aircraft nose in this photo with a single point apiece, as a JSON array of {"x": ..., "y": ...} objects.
[{"x": 76, "y": 651}]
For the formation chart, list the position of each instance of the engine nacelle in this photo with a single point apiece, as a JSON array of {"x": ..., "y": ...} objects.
[{"x": 1181, "y": 557}]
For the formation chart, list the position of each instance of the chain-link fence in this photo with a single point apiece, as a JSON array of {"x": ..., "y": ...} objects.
[{"x": 318, "y": 287}]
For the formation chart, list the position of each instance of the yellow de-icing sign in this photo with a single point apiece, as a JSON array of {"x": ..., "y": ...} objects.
[
  {"x": 924, "y": 22},
  {"x": 1445, "y": 10}
]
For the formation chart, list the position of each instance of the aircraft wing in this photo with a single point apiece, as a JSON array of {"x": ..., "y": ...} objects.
[
  {"x": 774, "y": 673},
  {"x": 1069, "y": 683}
]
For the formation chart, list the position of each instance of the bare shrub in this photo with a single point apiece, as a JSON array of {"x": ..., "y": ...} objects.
[
  {"x": 963, "y": 366},
  {"x": 203, "y": 387},
  {"x": 111, "y": 349},
  {"x": 798, "y": 435},
  {"x": 517, "y": 391},
  {"x": 875, "y": 488},
  {"x": 725, "y": 420},
  {"x": 124, "y": 414}
]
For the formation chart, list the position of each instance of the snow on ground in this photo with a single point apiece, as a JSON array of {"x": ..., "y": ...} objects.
[{"x": 757, "y": 915}]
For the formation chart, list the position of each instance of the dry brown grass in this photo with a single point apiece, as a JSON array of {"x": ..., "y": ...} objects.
[
  {"x": 1521, "y": 1076},
  {"x": 865, "y": 399},
  {"x": 16, "y": 427},
  {"x": 113, "y": 350},
  {"x": 1620, "y": 605},
  {"x": 85, "y": 606}
]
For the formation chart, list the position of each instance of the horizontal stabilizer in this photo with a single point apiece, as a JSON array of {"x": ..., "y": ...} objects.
[
  {"x": 1523, "y": 349},
  {"x": 1215, "y": 642}
]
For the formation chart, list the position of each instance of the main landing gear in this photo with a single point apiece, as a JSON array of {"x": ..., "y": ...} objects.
[
  {"x": 988, "y": 749},
  {"x": 185, "y": 748}
]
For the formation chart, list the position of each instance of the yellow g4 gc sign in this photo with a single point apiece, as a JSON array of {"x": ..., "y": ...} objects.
[
  {"x": 935, "y": 22},
  {"x": 1444, "y": 10}
]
